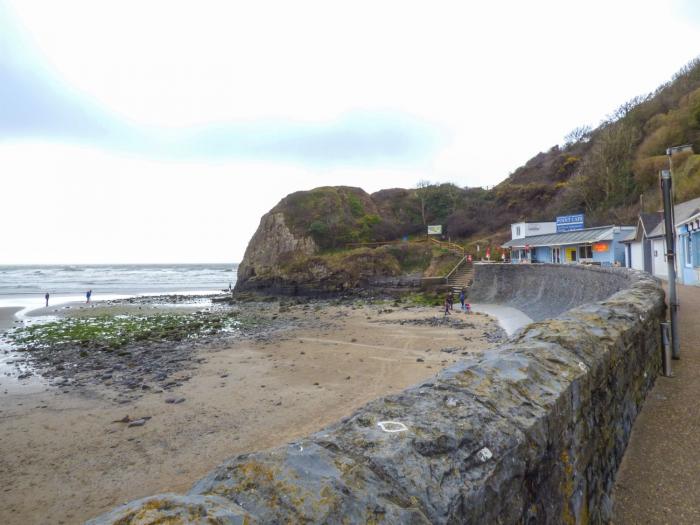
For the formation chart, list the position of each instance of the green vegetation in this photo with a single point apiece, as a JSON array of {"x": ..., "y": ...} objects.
[
  {"x": 601, "y": 172},
  {"x": 332, "y": 216},
  {"x": 442, "y": 263},
  {"x": 114, "y": 332},
  {"x": 423, "y": 299}
]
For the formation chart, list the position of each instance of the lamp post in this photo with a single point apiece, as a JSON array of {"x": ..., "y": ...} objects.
[
  {"x": 670, "y": 260},
  {"x": 669, "y": 226}
]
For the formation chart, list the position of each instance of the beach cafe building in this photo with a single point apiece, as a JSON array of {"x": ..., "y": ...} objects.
[{"x": 600, "y": 246}]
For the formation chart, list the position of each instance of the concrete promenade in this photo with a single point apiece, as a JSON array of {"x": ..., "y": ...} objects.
[{"x": 659, "y": 480}]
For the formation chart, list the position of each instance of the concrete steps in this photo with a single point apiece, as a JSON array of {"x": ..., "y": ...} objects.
[{"x": 461, "y": 278}]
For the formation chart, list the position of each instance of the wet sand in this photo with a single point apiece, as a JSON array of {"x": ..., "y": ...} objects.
[
  {"x": 7, "y": 316},
  {"x": 65, "y": 459}
]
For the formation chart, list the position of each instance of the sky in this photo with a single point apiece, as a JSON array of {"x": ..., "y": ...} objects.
[{"x": 161, "y": 131}]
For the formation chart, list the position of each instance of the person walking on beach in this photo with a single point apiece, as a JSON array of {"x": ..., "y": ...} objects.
[
  {"x": 47, "y": 299},
  {"x": 88, "y": 294},
  {"x": 462, "y": 297},
  {"x": 447, "y": 305}
]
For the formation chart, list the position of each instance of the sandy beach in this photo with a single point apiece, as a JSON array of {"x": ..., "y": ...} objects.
[
  {"x": 7, "y": 316},
  {"x": 67, "y": 457}
]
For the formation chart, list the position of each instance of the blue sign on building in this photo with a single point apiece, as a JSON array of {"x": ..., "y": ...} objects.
[{"x": 569, "y": 223}]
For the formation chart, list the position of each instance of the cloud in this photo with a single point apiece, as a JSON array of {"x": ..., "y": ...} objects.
[
  {"x": 37, "y": 107},
  {"x": 356, "y": 138},
  {"x": 36, "y": 104}
]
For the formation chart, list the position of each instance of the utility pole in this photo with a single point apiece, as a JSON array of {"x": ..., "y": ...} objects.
[{"x": 669, "y": 226}]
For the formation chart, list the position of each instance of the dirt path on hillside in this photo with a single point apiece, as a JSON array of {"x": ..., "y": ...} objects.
[{"x": 65, "y": 459}]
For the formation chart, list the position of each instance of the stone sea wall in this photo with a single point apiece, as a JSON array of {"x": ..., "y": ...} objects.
[
  {"x": 531, "y": 431},
  {"x": 545, "y": 290}
]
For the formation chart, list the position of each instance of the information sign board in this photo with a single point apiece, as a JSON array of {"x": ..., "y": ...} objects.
[
  {"x": 435, "y": 229},
  {"x": 569, "y": 223}
]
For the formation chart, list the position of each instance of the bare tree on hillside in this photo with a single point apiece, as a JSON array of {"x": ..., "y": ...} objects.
[
  {"x": 422, "y": 189},
  {"x": 579, "y": 134}
]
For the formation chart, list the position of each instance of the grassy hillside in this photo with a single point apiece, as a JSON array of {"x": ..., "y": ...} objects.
[{"x": 601, "y": 172}]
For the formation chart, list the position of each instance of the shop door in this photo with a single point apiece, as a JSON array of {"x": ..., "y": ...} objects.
[
  {"x": 556, "y": 255},
  {"x": 571, "y": 255}
]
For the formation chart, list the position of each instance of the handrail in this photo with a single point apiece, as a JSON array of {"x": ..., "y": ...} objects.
[
  {"x": 443, "y": 244},
  {"x": 447, "y": 244},
  {"x": 382, "y": 243},
  {"x": 463, "y": 259}
]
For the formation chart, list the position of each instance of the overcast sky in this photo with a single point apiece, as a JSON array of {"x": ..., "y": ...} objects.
[{"x": 160, "y": 131}]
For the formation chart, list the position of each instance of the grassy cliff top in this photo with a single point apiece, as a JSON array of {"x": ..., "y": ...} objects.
[{"x": 601, "y": 172}]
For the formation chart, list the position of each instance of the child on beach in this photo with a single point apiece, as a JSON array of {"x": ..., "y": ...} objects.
[
  {"x": 47, "y": 299},
  {"x": 468, "y": 307},
  {"x": 447, "y": 305}
]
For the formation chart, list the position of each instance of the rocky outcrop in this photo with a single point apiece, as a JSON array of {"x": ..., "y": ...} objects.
[
  {"x": 531, "y": 431},
  {"x": 293, "y": 250},
  {"x": 272, "y": 242}
]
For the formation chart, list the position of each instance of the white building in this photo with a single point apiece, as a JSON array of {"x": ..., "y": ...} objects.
[
  {"x": 520, "y": 230},
  {"x": 646, "y": 248}
]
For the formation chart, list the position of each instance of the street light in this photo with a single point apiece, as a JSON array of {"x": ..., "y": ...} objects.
[{"x": 669, "y": 225}]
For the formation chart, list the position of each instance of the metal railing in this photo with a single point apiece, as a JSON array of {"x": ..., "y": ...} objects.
[
  {"x": 448, "y": 245},
  {"x": 457, "y": 266}
]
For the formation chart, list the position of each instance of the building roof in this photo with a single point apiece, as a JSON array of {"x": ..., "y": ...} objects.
[
  {"x": 682, "y": 212},
  {"x": 630, "y": 237},
  {"x": 585, "y": 236},
  {"x": 645, "y": 224},
  {"x": 651, "y": 220}
]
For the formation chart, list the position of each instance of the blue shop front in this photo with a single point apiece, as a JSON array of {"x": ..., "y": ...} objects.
[
  {"x": 600, "y": 246},
  {"x": 688, "y": 247}
]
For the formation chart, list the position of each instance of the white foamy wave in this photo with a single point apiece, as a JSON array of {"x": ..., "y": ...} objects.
[{"x": 32, "y": 282}]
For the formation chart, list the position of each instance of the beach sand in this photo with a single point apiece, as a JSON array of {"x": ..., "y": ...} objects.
[
  {"x": 7, "y": 316},
  {"x": 65, "y": 459}
]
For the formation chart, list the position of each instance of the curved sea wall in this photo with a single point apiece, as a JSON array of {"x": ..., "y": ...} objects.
[
  {"x": 546, "y": 290},
  {"x": 531, "y": 431}
]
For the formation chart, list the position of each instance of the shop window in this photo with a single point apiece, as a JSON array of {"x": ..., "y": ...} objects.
[
  {"x": 688, "y": 248},
  {"x": 585, "y": 252}
]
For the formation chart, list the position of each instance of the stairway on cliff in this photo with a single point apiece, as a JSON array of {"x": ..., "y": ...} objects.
[{"x": 461, "y": 277}]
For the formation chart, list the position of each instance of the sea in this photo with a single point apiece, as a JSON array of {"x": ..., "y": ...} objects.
[{"x": 25, "y": 286}]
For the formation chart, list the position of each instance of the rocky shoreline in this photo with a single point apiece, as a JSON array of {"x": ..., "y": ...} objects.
[
  {"x": 160, "y": 356},
  {"x": 85, "y": 348},
  {"x": 305, "y": 364}
]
